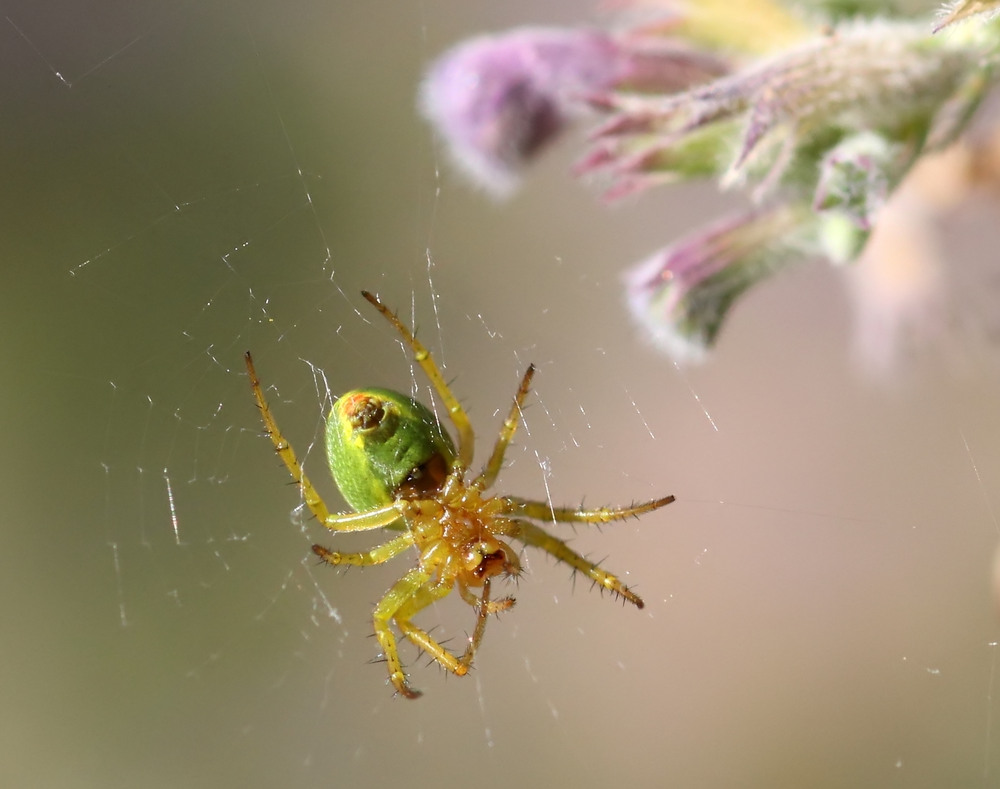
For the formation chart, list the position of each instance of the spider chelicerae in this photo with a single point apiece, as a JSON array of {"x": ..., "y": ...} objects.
[{"x": 396, "y": 465}]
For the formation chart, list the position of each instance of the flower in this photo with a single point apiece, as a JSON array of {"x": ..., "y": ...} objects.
[
  {"x": 682, "y": 293},
  {"x": 498, "y": 100},
  {"x": 778, "y": 117},
  {"x": 820, "y": 125}
]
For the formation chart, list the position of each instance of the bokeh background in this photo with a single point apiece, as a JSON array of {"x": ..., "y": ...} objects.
[{"x": 186, "y": 181}]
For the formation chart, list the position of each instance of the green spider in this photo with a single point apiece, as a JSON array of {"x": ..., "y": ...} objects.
[{"x": 396, "y": 465}]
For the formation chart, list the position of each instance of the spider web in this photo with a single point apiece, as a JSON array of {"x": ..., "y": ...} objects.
[{"x": 187, "y": 181}]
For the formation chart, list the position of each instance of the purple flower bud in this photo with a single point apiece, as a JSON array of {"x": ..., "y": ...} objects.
[
  {"x": 498, "y": 100},
  {"x": 681, "y": 294},
  {"x": 869, "y": 75}
]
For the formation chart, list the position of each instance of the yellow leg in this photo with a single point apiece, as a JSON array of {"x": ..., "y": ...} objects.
[
  {"x": 352, "y": 521},
  {"x": 430, "y": 593},
  {"x": 531, "y": 534},
  {"x": 377, "y": 518},
  {"x": 541, "y": 511},
  {"x": 377, "y": 555},
  {"x": 409, "y": 595},
  {"x": 492, "y": 606},
  {"x": 484, "y": 607},
  {"x": 284, "y": 449},
  {"x": 492, "y": 469},
  {"x": 423, "y": 357}
]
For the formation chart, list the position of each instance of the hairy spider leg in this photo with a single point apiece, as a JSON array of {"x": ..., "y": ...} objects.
[
  {"x": 351, "y": 521},
  {"x": 284, "y": 449},
  {"x": 493, "y": 606},
  {"x": 534, "y": 535},
  {"x": 490, "y": 471},
  {"x": 543, "y": 511},
  {"x": 466, "y": 438},
  {"x": 387, "y": 551},
  {"x": 484, "y": 607},
  {"x": 377, "y": 555},
  {"x": 407, "y": 597},
  {"x": 530, "y": 534}
]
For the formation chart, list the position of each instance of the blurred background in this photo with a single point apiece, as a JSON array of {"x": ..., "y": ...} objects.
[{"x": 186, "y": 181}]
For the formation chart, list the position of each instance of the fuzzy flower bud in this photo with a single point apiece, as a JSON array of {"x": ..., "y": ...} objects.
[
  {"x": 681, "y": 294},
  {"x": 498, "y": 100},
  {"x": 856, "y": 175},
  {"x": 822, "y": 124},
  {"x": 865, "y": 75}
]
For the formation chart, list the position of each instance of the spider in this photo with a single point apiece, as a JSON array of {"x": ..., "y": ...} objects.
[{"x": 396, "y": 465}]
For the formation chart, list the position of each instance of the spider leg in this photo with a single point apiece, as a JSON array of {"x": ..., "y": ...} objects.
[
  {"x": 409, "y": 595},
  {"x": 484, "y": 607},
  {"x": 377, "y": 555},
  {"x": 530, "y": 534},
  {"x": 542, "y": 511},
  {"x": 378, "y": 518},
  {"x": 493, "y": 606},
  {"x": 489, "y": 473},
  {"x": 423, "y": 357},
  {"x": 388, "y": 607},
  {"x": 352, "y": 521},
  {"x": 284, "y": 449}
]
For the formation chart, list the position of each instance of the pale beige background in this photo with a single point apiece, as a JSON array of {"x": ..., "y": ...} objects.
[{"x": 818, "y": 612}]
